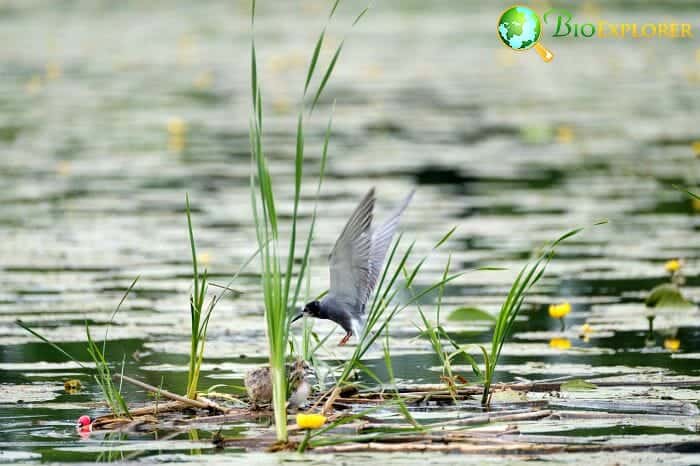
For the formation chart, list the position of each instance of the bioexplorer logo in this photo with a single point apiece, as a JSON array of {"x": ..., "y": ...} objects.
[{"x": 519, "y": 28}]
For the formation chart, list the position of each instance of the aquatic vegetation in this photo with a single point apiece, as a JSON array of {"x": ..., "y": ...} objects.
[
  {"x": 199, "y": 316},
  {"x": 526, "y": 279},
  {"x": 177, "y": 134},
  {"x": 403, "y": 409},
  {"x": 559, "y": 311},
  {"x": 436, "y": 333},
  {"x": 666, "y": 295},
  {"x": 103, "y": 377},
  {"x": 279, "y": 296},
  {"x": 673, "y": 266},
  {"x": 672, "y": 344},
  {"x": 586, "y": 332},
  {"x": 199, "y": 313},
  {"x": 695, "y": 146},
  {"x": 471, "y": 314},
  {"x": 103, "y": 373},
  {"x": 560, "y": 343}
]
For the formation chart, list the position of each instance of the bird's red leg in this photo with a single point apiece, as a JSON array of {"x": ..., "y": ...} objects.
[{"x": 345, "y": 339}]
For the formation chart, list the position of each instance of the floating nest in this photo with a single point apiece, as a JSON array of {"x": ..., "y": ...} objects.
[{"x": 474, "y": 429}]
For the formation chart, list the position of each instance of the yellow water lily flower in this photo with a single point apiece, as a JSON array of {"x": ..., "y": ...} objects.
[
  {"x": 204, "y": 80},
  {"x": 204, "y": 258},
  {"x": 672, "y": 344},
  {"x": 673, "y": 266},
  {"x": 34, "y": 85},
  {"x": 696, "y": 148},
  {"x": 176, "y": 126},
  {"x": 63, "y": 168},
  {"x": 177, "y": 130},
  {"x": 310, "y": 421},
  {"x": 560, "y": 343},
  {"x": 585, "y": 333},
  {"x": 558, "y": 311},
  {"x": 565, "y": 134},
  {"x": 53, "y": 71}
]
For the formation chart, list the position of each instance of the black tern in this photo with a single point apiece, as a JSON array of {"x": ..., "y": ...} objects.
[{"x": 355, "y": 264}]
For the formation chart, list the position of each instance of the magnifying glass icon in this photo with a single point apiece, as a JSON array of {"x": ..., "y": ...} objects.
[{"x": 519, "y": 28}]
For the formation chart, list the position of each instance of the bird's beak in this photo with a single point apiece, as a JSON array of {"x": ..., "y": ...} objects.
[{"x": 297, "y": 317}]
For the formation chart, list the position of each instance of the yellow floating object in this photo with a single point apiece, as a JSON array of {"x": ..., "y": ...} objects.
[
  {"x": 565, "y": 134},
  {"x": 310, "y": 421},
  {"x": 72, "y": 385},
  {"x": 557, "y": 311},
  {"x": 176, "y": 126},
  {"x": 585, "y": 329},
  {"x": 560, "y": 343},
  {"x": 696, "y": 148},
  {"x": 203, "y": 81},
  {"x": 204, "y": 258},
  {"x": 672, "y": 344},
  {"x": 34, "y": 85},
  {"x": 53, "y": 71},
  {"x": 673, "y": 265},
  {"x": 63, "y": 168}
]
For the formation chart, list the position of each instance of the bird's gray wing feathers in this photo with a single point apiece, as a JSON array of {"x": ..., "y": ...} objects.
[
  {"x": 350, "y": 258},
  {"x": 381, "y": 240}
]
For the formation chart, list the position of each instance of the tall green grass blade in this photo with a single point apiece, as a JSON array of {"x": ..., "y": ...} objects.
[
  {"x": 528, "y": 277},
  {"x": 195, "y": 273},
  {"x": 335, "y": 5},
  {"x": 445, "y": 237},
  {"x": 369, "y": 372},
  {"x": 298, "y": 173},
  {"x": 390, "y": 372},
  {"x": 309, "y": 239},
  {"x": 314, "y": 60},
  {"x": 686, "y": 191},
  {"x": 253, "y": 74},
  {"x": 360, "y": 16},
  {"x": 327, "y": 75},
  {"x": 119, "y": 306},
  {"x": 50, "y": 343}
]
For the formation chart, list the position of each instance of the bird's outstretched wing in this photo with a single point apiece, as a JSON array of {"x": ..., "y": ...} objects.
[
  {"x": 350, "y": 258},
  {"x": 381, "y": 240}
]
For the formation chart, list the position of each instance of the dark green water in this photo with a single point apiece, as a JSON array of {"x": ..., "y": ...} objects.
[{"x": 512, "y": 150}]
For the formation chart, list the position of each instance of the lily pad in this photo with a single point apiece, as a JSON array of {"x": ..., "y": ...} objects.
[
  {"x": 666, "y": 295},
  {"x": 471, "y": 314},
  {"x": 577, "y": 385}
]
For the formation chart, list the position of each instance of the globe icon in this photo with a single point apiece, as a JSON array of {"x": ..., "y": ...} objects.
[{"x": 519, "y": 27}]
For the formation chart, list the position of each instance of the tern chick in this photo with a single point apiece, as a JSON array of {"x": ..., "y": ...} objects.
[
  {"x": 258, "y": 384},
  {"x": 355, "y": 264}
]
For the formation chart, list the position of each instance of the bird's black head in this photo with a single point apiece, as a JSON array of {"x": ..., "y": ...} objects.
[{"x": 312, "y": 309}]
